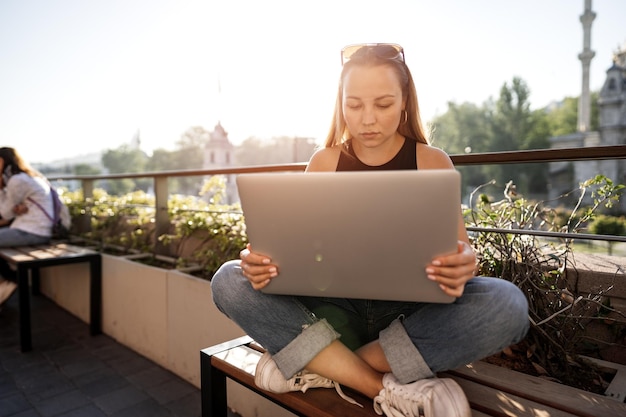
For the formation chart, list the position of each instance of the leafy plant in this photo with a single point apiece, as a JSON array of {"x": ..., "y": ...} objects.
[
  {"x": 203, "y": 232},
  {"x": 539, "y": 267}
]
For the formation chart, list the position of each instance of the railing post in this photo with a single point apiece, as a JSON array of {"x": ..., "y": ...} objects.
[
  {"x": 84, "y": 221},
  {"x": 161, "y": 215}
]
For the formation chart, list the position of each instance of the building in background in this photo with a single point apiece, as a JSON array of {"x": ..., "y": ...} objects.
[
  {"x": 566, "y": 176},
  {"x": 219, "y": 153}
]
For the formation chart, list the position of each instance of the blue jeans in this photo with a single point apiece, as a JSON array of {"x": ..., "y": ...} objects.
[
  {"x": 418, "y": 339},
  {"x": 15, "y": 237}
]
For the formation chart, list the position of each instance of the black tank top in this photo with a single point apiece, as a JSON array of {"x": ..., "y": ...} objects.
[{"x": 405, "y": 159}]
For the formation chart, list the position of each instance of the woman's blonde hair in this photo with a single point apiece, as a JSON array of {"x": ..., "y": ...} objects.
[{"x": 366, "y": 56}]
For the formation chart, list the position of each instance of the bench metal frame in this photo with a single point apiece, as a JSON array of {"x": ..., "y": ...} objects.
[{"x": 28, "y": 267}]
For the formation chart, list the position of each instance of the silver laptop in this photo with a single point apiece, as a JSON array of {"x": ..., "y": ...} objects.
[{"x": 363, "y": 234}]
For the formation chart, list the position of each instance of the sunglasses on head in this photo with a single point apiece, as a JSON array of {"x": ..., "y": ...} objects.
[{"x": 380, "y": 50}]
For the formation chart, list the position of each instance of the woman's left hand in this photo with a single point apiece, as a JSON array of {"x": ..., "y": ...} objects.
[{"x": 452, "y": 272}]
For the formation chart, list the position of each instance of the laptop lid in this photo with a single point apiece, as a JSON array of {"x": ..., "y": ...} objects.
[{"x": 365, "y": 234}]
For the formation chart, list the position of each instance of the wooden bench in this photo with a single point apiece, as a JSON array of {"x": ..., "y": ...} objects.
[
  {"x": 27, "y": 260},
  {"x": 491, "y": 390}
]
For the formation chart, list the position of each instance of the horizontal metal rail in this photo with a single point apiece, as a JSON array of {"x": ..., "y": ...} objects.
[
  {"x": 545, "y": 233},
  {"x": 509, "y": 157}
]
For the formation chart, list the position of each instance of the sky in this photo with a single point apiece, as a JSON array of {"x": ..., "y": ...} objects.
[{"x": 78, "y": 77}]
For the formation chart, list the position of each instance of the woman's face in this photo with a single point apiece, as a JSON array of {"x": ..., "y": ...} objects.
[{"x": 372, "y": 103}]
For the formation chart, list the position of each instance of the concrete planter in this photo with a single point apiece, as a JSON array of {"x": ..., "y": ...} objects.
[{"x": 165, "y": 315}]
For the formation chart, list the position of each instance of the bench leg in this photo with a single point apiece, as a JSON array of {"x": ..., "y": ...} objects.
[
  {"x": 95, "y": 296},
  {"x": 24, "y": 298},
  {"x": 213, "y": 389},
  {"x": 34, "y": 281}
]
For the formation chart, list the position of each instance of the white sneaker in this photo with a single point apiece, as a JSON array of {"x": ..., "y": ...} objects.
[
  {"x": 7, "y": 288},
  {"x": 432, "y": 397},
  {"x": 268, "y": 377}
]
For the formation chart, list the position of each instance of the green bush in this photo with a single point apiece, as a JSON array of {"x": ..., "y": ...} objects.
[
  {"x": 202, "y": 234},
  {"x": 608, "y": 225}
]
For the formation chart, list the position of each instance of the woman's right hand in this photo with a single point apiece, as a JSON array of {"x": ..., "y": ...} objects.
[
  {"x": 257, "y": 268},
  {"x": 20, "y": 209}
]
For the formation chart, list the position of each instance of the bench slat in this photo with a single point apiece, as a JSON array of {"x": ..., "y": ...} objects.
[
  {"x": 12, "y": 255},
  {"x": 42, "y": 252},
  {"x": 572, "y": 400},
  {"x": 496, "y": 402},
  {"x": 16, "y": 255}
]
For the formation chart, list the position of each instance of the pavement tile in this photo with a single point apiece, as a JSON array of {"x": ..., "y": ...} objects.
[
  {"x": 189, "y": 405},
  {"x": 7, "y": 385},
  {"x": 120, "y": 399},
  {"x": 105, "y": 384},
  {"x": 148, "y": 408},
  {"x": 13, "y": 404},
  {"x": 15, "y": 360},
  {"x": 88, "y": 378},
  {"x": 80, "y": 367},
  {"x": 48, "y": 386},
  {"x": 131, "y": 365},
  {"x": 26, "y": 413},
  {"x": 150, "y": 377},
  {"x": 33, "y": 382},
  {"x": 113, "y": 353},
  {"x": 61, "y": 403},
  {"x": 86, "y": 411},
  {"x": 170, "y": 391}
]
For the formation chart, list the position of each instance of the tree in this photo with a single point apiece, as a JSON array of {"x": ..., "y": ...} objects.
[
  {"x": 512, "y": 117},
  {"x": 516, "y": 127},
  {"x": 179, "y": 159},
  {"x": 188, "y": 155},
  {"x": 563, "y": 117},
  {"x": 86, "y": 169},
  {"x": 125, "y": 159},
  {"x": 464, "y": 128}
]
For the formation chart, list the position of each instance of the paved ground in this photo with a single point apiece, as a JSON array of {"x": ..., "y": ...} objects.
[{"x": 71, "y": 374}]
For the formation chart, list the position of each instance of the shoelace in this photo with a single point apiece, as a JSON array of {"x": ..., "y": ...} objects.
[
  {"x": 305, "y": 380},
  {"x": 404, "y": 403}
]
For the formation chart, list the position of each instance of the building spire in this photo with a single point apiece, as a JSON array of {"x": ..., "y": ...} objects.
[{"x": 584, "y": 103}]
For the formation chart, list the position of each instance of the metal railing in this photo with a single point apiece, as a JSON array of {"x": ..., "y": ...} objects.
[{"x": 162, "y": 220}]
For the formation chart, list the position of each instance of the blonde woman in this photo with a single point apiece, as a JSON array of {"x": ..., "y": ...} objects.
[{"x": 389, "y": 351}]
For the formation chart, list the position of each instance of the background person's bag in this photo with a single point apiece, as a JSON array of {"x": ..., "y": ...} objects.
[{"x": 61, "y": 219}]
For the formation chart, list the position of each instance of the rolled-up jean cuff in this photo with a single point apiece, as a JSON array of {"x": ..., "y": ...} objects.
[
  {"x": 407, "y": 363},
  {"x": 293, "y": 358}
]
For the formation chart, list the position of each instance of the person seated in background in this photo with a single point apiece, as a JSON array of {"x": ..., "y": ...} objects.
[{"x": 21, "y": 188}]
